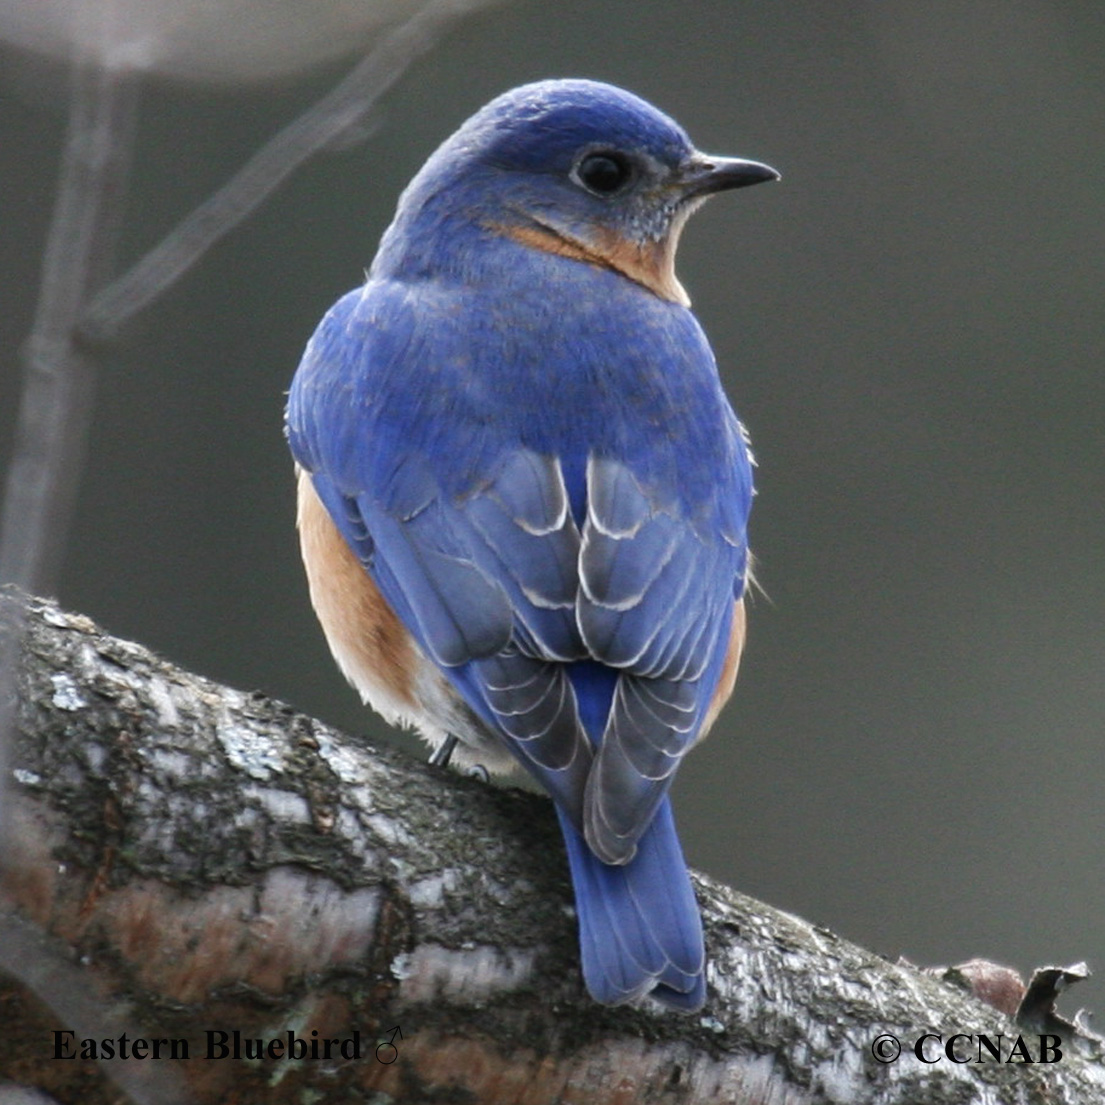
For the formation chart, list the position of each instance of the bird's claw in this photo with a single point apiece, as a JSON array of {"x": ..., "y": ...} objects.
[{"x": 443, "y": 753}]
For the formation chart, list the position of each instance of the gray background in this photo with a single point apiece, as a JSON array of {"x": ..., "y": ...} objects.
[{"x": 911, "y": 326}]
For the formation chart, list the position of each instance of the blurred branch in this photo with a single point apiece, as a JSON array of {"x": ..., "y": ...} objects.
[
  {"x": 221, "y": 863},
  {"x": 57, "y": 379},
  {"x": 342, "y": 109}
]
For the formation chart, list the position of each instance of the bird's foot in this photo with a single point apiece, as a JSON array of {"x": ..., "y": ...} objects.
[{"x": 443, "y": 753}]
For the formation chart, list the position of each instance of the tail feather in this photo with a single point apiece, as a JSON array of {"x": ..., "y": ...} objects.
[{"x": 639, "y": 927}]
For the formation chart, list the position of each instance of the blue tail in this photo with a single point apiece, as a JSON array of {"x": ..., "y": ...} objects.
[{"x": 639, "y": 927}]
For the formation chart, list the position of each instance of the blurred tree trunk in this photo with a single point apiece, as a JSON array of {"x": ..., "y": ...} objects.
[{"x": 190, "y": 861}]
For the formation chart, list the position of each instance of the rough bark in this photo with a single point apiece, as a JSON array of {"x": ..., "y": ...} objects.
[{"x": 187, "y": 858}]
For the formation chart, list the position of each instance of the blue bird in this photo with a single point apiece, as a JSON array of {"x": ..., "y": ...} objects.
[{"x": 523, "y": 496}]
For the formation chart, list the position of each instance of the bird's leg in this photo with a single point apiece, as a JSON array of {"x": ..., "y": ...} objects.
[{"x": 443, "y": 753}]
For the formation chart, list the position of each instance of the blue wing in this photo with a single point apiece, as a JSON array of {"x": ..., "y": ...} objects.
[
  {"x": 656, "y": 601},
  {"x": 520, "y": 547}
]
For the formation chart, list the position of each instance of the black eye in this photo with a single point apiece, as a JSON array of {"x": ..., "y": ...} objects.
[{"x": 604, "y": 173}]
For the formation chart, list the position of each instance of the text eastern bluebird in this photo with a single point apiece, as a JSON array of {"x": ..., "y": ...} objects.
[{"x": 523, "y": 495}]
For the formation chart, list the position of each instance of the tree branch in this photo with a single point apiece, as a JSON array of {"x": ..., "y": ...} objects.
[
  {"x": 343, "y": 109},
  {"x": 54, "y": 407},
  {"x": 216, "y": 862}
]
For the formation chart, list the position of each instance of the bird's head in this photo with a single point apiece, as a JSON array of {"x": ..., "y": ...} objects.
[{"x": 579, "y": 169}]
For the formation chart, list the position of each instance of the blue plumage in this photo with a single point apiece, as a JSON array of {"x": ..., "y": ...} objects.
[{"x": 517, "y": 427}]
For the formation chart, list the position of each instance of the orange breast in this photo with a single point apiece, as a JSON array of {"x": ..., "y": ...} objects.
[
  {"x": 372, "y": 647},
  {"x": 729, "y": 667}
]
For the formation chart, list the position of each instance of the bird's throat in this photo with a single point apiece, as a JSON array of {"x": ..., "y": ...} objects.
[{"x": 651, "y": 265}]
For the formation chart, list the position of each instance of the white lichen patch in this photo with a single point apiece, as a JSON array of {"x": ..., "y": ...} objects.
[
  {"x": 157, "y": 836},
  {"x": 161, "y": 697},
  {"x": 67, "y": 695},
  {"x": 432, "y": 972},
  {"x": 62, "y": 619},
  {"x": 27, "y": 778},
  {"x": 258, "y": 754},
  {"x": 284, "y": 805},
  {"x": 430, "y": 893},
  {"x": 170, "y": 765},
  {"x": 51, "y": 615},
  {"x": 361, "y": 797},
  {"x": 247, "y": 817},
  {"x": 349, "y": 764},
  {"x": 402, "y": 966},
  {"x": 106, "y": 675},
  {"x": 390, "y": 830},
  {"x": 347, "y": 825},
  {"x": 322, "y": 922}
]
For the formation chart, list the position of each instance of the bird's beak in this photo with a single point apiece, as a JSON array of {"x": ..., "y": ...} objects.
[{"x": 703, "y": 175}]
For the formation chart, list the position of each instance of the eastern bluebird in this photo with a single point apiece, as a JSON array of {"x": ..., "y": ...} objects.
[{"x": 523, "y": 495}]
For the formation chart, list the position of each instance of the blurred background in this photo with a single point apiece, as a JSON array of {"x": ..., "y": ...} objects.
[{"x": 911, "y": 325}]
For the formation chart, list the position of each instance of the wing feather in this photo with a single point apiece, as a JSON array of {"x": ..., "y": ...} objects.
[{"x": 655, "y": 601}]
